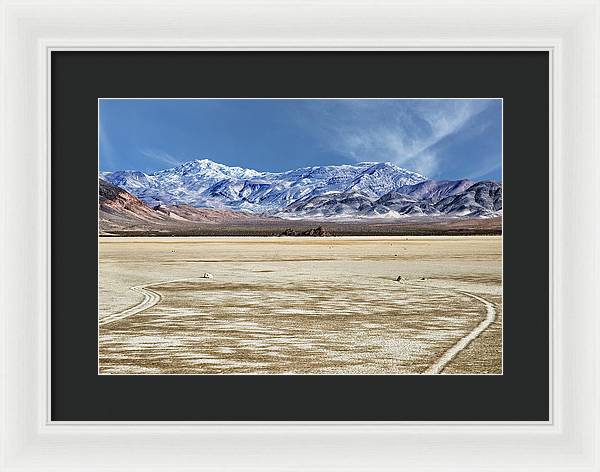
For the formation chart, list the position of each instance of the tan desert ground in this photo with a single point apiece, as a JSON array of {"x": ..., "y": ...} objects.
[{"x": 292, "y": 305}]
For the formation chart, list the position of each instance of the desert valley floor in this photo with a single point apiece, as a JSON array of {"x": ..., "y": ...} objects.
[{"x": 290, "y": 305}]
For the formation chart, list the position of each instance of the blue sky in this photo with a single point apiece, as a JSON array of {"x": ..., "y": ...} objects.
[{"x": 442, "y": 139}]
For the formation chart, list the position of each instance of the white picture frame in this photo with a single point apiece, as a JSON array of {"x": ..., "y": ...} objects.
[{"x": 568, "y": 29}]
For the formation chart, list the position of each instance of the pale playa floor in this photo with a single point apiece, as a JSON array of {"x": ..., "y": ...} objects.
[{"x": 298, "y": 305}]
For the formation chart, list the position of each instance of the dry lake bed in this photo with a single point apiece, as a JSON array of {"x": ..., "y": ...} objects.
[{"x": 278, "y": 305}]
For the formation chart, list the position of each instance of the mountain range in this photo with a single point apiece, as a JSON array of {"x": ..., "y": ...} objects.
[
  {"x": 119, "y": 209},
  {"x": 364, "y": 190}
]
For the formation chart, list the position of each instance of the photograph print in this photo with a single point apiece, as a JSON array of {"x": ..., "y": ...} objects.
[{"x": 300, "y": 236}]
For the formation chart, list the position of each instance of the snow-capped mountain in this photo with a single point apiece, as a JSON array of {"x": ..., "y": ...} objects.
[
  {"x": 204, "y": 183},
  {"x": 481, "y": 199},
  {"x": 364, "y": 190}
]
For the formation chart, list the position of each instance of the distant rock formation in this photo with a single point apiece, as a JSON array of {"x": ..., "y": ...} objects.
[{"x": 318, "y": 232}]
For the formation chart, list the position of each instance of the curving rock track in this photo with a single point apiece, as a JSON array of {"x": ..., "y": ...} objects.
[
  {"x": 438, "y": 366},
  {"x": 150, "y": 299}
]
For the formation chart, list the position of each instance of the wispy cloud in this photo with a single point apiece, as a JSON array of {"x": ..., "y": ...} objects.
[
  {"x": 107, "y": 157},
  {"x": 484, "y": 170},
  {"x": 401, "y": 131},
  {"x": 160, "y": 156}
]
